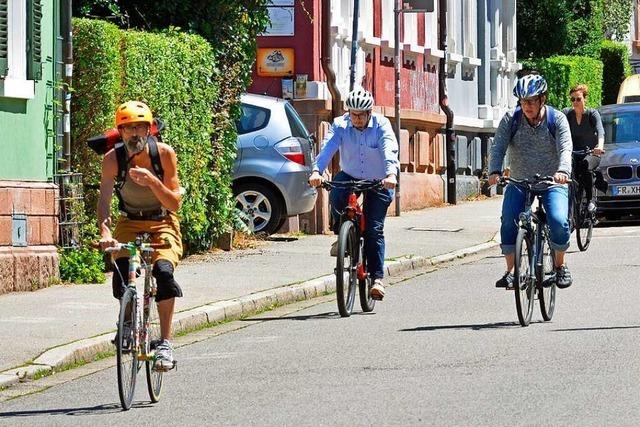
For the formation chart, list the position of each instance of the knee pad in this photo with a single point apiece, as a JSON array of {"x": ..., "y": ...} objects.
[{"x": 166, "y": 283}]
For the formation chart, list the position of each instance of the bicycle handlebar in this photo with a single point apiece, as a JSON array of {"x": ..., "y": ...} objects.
[
  {"x": 584, "y": 152},
  {"x": 537, "y": 180},
  {"x": 359, "y": 185},
  {"x": 144, "y": 247}
]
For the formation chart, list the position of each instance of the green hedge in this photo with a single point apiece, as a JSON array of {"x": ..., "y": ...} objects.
[
  {"x": 564, "y": 72},
  {"x": 171, "y": 71},
  {"x": 615, "y": 57},
  {"x": 559, "y": 27}
]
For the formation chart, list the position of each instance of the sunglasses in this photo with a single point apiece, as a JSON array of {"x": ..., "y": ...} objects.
[
  {"x": 530, "y": 101},
  {"x": 576, "y": 99}
]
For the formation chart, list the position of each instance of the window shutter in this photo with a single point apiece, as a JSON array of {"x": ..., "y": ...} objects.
[
  {"x": 4, "y": 35},
  {"x": 34, "y": 39}
]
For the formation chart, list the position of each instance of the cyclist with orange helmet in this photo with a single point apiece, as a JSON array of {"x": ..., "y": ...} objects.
[{"x": 143, "y": 173}]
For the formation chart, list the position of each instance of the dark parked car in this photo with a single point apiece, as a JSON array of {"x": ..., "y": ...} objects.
[
  {"x": 620, "y": 165},
  {"x": 273, "y": 163}
]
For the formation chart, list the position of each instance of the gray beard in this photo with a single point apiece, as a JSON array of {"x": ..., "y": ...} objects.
[{"x": 135, "y": 144}]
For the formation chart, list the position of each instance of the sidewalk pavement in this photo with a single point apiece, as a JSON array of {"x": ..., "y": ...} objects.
[{"x": 54, "y": 328}]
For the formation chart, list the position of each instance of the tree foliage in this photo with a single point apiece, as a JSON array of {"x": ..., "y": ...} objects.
[
  {"x": 559, "y": 27},
  {"x": 617, "y": 17}
]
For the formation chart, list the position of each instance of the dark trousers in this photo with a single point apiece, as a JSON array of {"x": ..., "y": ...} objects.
[
  {"x": 583, "y": 166},
  {"x": 376, "y": 203}
]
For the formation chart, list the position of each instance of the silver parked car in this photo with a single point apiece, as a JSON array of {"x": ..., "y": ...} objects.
[
  {"x": 273, "y": 163},
  {"x": 620, "y": 165}
]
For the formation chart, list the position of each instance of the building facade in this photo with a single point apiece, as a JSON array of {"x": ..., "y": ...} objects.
[
  {"x": 481, "y": 63},
  {"x": 28, "y": 197}
]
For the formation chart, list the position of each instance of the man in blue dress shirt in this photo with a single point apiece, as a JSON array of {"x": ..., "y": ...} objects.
[{"x": 368, "y": 150}]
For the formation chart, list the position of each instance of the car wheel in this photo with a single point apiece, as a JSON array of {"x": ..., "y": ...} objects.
[{"x": 261, "y": 205}]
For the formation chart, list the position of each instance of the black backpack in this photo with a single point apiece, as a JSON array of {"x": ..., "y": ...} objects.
[{"x": 124, "y": 160}]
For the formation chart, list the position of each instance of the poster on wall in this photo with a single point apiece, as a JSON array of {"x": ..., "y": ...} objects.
[
  {"x": 287, "y": 88},
  {"x": 281, "y": 17},
  {"x": 301, "y": 86},
  {"x": 275, "y": 62}
]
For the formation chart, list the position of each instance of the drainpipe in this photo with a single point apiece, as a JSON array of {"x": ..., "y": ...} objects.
[
  {"x": 67, "y": 53},
  {"x": 450, "y": 137},
  {"x": 354, "y": 43},
  {"x": 325, "y": 60}
]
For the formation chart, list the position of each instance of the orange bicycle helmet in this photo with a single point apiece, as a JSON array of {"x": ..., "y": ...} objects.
[{"x": 133, "y": 112}]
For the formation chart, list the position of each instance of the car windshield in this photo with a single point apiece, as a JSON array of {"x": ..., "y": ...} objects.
[{"x": 621, "y": 126}]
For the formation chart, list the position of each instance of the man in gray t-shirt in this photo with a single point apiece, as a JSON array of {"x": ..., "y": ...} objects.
[{"x": 533, "y": 149}]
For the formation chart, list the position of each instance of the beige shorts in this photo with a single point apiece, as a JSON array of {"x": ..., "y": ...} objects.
[{"x": 166, "y": 229}]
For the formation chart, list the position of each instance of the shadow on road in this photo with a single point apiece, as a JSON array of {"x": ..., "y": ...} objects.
[
  {"x": 328, "y": 315},
  {"x": 89, "y": 410},
  {"x": 477, "y": 327},
  {"x": 600, "y": 328}
]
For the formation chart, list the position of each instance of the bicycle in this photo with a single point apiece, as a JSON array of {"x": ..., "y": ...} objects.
[
  {"x": 534, "y": 258},
  {"x": 138, "y": 323},
  {"x": 581, "y": 219},
  {"x": 351, "y": 260}
]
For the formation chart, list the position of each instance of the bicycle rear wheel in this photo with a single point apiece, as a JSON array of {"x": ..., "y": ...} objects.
[
  {"x": 523, "y": 281},
  {"x": 126, "y": 352},
  {"x": 366, "y": 302},
  {"x": 154, "y": 377},
  {"x": 546, "y": 283},
  {"x": 346, "y": 268}
]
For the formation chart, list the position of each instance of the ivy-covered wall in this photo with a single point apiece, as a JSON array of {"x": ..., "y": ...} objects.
[{"x": 172, "y": 72}]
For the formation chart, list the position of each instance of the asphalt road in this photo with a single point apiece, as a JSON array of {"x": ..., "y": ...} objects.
[{"x": 444, "y": 348}]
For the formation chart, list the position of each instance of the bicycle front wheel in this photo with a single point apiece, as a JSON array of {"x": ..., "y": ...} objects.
[
  {"x": 523, "y": 281},
  {"x": 547, "y": 284},
  {"x": 346, "y": 268},
  {"x": 364, "y": 287},
  {"x": 584, "y": 227},
  {"x": 126, "y": 352},
  {"x": 154, "y": 377}
]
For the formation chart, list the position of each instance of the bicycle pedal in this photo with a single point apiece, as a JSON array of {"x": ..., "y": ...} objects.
[{"x": 163, "y": 369}]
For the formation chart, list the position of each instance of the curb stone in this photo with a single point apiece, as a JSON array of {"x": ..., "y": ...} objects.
[{"x": 85, "y": 350}]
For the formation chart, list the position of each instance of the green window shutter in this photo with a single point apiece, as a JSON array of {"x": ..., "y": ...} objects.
[
  {"x": 4, "y": 35},
  {"x": 34, "y": 39}
]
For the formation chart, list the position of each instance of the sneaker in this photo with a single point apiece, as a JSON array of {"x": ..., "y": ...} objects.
[
  {"x": 334, "y": 249},
  {"x": 505, "y": 281},
  {"x": 563, "y": 277},
  {"x": 591, "y": 207},
  {"x": 377, "y": 290},
  {"x": 164, "y": 356}
]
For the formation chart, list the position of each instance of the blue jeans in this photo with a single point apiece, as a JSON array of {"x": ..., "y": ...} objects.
[
  {"x": 556, "y": 204},
  {"x": 376, "y": 203}
]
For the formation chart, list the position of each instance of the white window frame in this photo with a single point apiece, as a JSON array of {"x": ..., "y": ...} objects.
[
  {"x": 387, "y": 21},
  {"x": 452, "y": 26},
  {"x": 15, "y": 84}
]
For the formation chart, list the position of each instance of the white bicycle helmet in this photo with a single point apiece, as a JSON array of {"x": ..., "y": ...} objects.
[
  {"x": 529, "y": 86},
  {"x": 359, "y": 99}
]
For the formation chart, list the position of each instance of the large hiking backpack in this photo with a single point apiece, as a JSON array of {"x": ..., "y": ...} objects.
[{"x": 104, "y": 142}]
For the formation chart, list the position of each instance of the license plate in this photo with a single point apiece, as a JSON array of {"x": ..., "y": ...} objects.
[{"x": 626, "y": 190}]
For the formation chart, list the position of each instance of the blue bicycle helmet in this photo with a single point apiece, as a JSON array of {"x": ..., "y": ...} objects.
[{"x": 529, "y": 86}]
